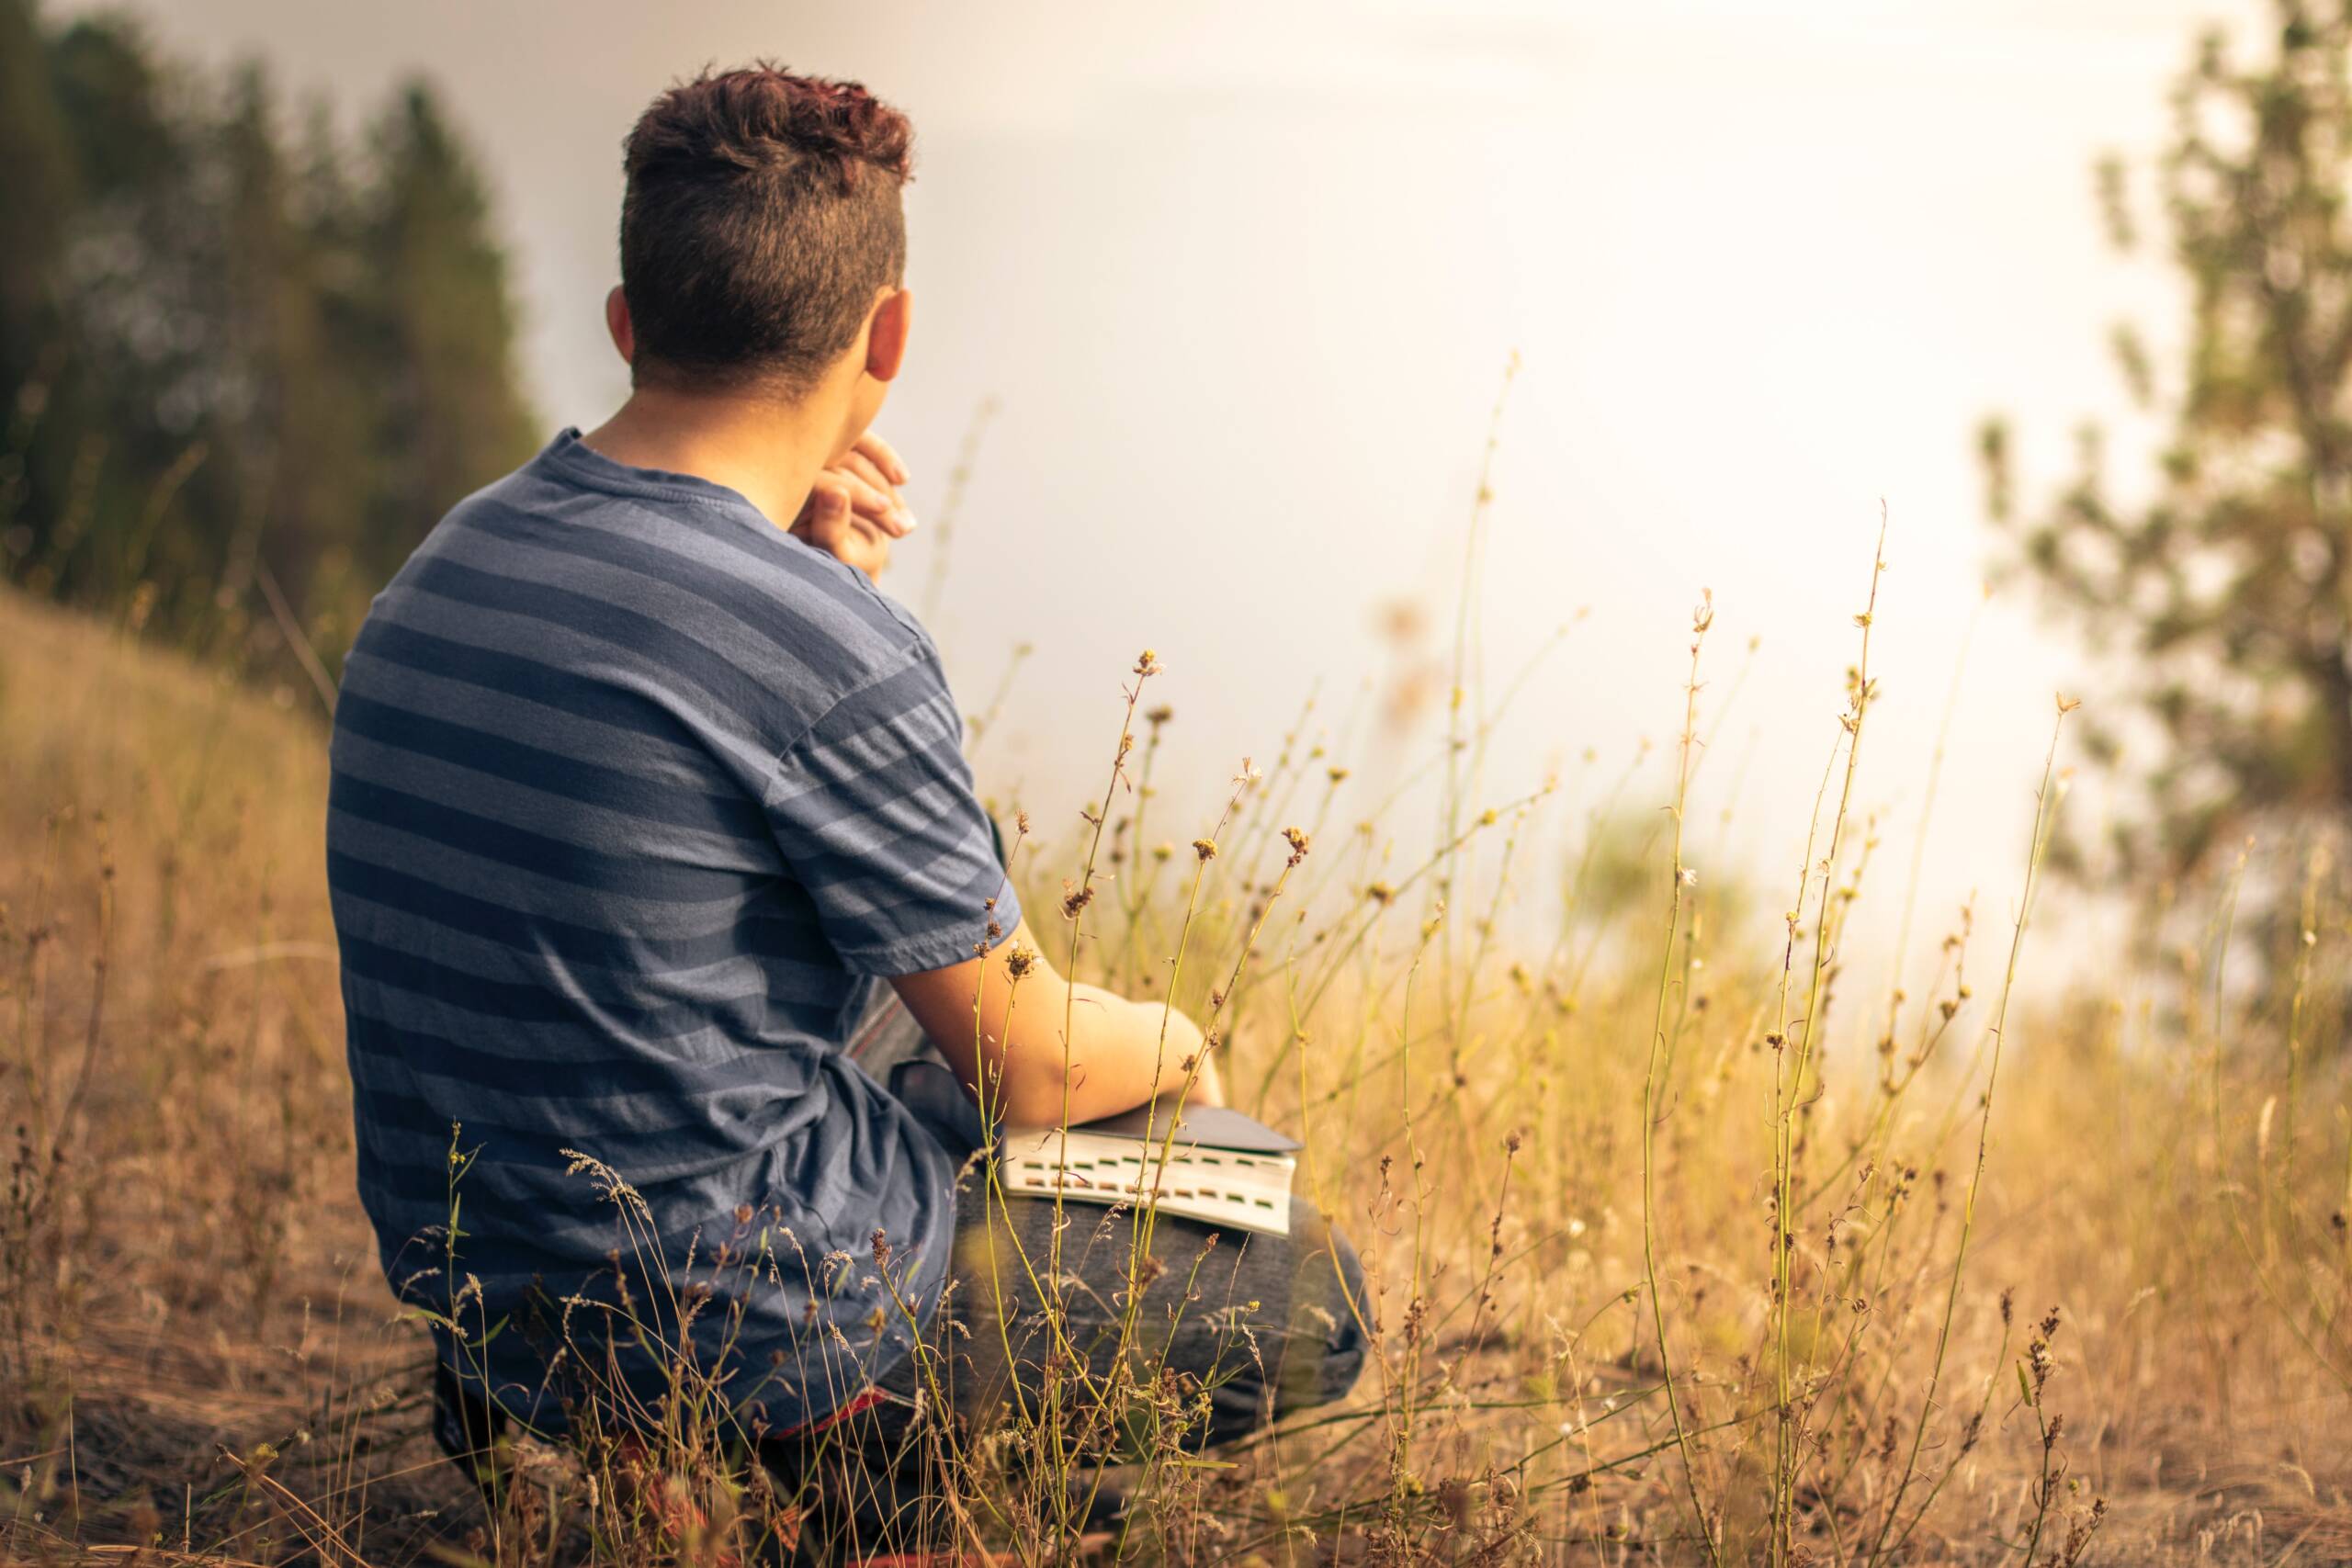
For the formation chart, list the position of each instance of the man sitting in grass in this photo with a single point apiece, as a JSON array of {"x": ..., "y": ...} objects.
[{"x": 640, "y": 785}]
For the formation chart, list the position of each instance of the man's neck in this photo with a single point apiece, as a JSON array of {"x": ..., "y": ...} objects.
[{"x": 769, "y": 451}]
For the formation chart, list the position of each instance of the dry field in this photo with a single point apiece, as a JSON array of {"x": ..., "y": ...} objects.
[{"x": 1685, "y": 1241}]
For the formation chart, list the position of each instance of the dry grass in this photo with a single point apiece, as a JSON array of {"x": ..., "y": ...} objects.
[{"x": 2146, "y": 1332}]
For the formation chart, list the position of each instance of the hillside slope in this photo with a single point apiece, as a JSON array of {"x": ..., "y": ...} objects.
[
  {"x": 183, "y": 1266},
  {"x": 195, "y": 1345}
]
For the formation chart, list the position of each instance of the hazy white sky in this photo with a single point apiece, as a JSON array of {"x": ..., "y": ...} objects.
[{"x": 1245, "y": 278}]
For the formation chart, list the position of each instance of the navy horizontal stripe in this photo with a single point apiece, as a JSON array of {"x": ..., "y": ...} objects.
[
  {"x": 614, "y": 1078},
  {"x": 523, "y": 807},
  {"x": 617, "y": 626},
  {"x": 522, "y": 677},
  {"x": 526, "y": 1155},
  {"x": 806, "y": 655},
  {"x": 586, "y": 783},
  {"x": 778, "y": 930},
  {"x": 525, "y": 1001},
  {"x": 581, "y": 864}
]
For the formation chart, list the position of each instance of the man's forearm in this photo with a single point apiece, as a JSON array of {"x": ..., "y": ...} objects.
[
  {"x": 1119, "y": 1054},
  {"x": 1031, "y": 1048}
]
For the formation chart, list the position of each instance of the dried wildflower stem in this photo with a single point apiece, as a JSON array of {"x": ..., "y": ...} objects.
[
  {"x": 1968, "y": 1439},
  {"x": 1785, "y": 1100},
  {"x": 2045, "y": 817},
  {"x": 1135, "y": 900},
  {"x": 1254, "y": 827},
  {"x": 1927, "y": 815},
  {"x": 988, "y": 1097},
  {"x": 1146, "y": 1213},
  {"x": 951, "y": 505},
  {"x": 995, "y": 1195},
  {"x": 93, "y": 1032},
  {"x": 1380, "y": 896},
  {"x": 928, "y": 1367},
  {"x": 983, "y": 724},
  {"x": 1934, "y": 1026},
  {"x": 1652, "y": 1089},
  {"x": 2306, "y": 950},
  {"x": 1467, "y": 653},
  {"x": 1402, "y": 1482},
  {"x": 1074, "y": 904},
  {"x": 1597, "y": 818},
  {"x": 2045, "y": 1483},
  {"x": 2275, "y": 1190},
  {"x": 1458, "y": 1037},
  {"x": 32, "y": 996}
]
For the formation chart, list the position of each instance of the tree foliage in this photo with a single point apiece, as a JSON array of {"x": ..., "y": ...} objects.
[
  {"x": 238, "y": 360},
  {"x": 2229, "y": 591}
]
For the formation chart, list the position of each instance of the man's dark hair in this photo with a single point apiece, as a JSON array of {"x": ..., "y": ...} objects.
[{"x": 761, "y": 215}]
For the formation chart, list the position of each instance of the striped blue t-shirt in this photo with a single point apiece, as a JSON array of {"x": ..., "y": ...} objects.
[{"x": 634, "y": 793}]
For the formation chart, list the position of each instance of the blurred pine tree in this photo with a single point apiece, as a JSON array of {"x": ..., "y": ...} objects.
[
  {"x": 235, "y": 360},
  {"x": 2228, "y": 592}
]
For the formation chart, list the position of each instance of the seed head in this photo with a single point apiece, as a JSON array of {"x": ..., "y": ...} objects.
[{"x": 1204, "y": 848}]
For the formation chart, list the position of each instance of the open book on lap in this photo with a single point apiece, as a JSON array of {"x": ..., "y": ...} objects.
[{"x": 1213, "y": 1165}]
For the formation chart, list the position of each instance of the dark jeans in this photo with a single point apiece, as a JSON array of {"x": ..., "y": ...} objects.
[{"x": 1259, "y": 1325}]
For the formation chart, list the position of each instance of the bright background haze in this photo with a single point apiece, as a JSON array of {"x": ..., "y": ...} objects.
[{"x": 1245, "y": 278}]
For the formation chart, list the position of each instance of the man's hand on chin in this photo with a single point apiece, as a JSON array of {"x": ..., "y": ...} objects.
[{"x": 854, "y": 512}]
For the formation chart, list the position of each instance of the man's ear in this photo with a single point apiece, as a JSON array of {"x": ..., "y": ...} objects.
[
  {"x": 616, "y": 322},
  {"x": 886, "y": 334}
]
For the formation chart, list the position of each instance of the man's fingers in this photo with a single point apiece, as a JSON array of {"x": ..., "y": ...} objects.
[
  {"x": 828, "y": 505},
  {"x": 830, "y": 521},
  {"x": 883, "y": 455},
  {"x": 825, "y": 515},
  {"x": 859, "y": 466},
  {"x": 894, "y": 514},
  {"x": 863, "y": 545},
  {"x": 874, "y": 502}
]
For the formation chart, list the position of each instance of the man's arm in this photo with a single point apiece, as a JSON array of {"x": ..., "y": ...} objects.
[
  {"x": 1002, "y": 1031},
  {"x": 1000, "y": 1021}
]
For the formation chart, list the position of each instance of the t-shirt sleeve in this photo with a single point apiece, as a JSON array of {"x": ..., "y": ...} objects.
[{"x": 875, "y": 812}]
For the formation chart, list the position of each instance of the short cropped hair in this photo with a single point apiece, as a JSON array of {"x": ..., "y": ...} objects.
[{"x": 761, "y": 215}]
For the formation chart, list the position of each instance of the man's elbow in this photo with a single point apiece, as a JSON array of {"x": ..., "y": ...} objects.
[{"x": 1035, "y": 1099}]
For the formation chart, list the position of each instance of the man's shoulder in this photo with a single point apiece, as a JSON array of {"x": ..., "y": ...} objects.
[{"x": 670, "y": 580}]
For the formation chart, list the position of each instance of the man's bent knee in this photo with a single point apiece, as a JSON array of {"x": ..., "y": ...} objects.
[{"x": 1327, "y": 1312}]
